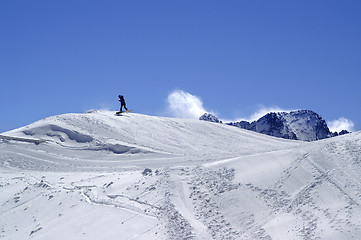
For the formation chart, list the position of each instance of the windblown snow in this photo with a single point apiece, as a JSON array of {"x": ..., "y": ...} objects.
[{"x": 101, "y": 176}]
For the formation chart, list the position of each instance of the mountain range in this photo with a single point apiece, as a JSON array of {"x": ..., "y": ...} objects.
[{"x": 304, "y": 125}]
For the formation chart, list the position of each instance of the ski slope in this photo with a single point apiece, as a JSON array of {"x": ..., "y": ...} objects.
[{"x": 101, "y": 176}]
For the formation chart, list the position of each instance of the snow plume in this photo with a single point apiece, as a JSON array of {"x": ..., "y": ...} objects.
[
  {"x": 264, "y": 110},
  {"x": 341, "y": 124},
  {"x": 185, "y": 105},
  {"x": 260, "y": 112}
]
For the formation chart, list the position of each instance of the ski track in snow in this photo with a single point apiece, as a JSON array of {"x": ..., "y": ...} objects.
[{"x": 82, "y": 176}]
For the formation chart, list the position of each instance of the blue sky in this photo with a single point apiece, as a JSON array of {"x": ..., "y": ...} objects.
[{"x": 234, "y": 58}]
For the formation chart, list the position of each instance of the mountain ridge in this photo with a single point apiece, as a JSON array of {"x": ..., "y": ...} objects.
[{"x": 305, "y": 125}]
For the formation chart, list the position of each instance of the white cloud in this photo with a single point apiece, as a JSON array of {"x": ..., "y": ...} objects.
[
  {"x": 340, "y": 124},
  {"x": 185, "y": 105}
]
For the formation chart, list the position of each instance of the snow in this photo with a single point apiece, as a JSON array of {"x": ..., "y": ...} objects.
[{"x": 82, "y": 176}]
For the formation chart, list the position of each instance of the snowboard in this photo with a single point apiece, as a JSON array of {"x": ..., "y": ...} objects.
[{"x": 126, "y": 111}]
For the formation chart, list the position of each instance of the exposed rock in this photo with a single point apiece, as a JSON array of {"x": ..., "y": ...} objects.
[{"x": 209, "y": 118}]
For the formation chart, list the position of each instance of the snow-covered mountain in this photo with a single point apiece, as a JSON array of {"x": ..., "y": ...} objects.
[
  {"x": 101, "y": 176},
  {"x": 303, "y": 125}
]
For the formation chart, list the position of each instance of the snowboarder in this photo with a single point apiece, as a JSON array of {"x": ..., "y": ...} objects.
[{"x": 122, "y": 102}]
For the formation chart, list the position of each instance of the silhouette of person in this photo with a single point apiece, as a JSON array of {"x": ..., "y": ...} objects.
[{"x": 122, "y": 103}]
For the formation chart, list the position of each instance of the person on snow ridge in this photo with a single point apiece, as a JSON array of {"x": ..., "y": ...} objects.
[{"x": 122, "y": 103}]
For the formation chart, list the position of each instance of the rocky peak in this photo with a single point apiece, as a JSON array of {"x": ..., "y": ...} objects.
[{"x": 209, "y": 118}]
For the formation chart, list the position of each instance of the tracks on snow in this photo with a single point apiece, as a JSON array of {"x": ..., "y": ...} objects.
[{"x": 181, "y": 198}]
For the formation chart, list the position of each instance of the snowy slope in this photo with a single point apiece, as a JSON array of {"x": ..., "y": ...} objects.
[{"x": 81, "y": 176}]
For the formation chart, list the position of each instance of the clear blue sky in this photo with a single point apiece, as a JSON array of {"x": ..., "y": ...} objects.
[{"x": 70, "y": 56}]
